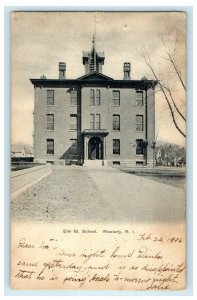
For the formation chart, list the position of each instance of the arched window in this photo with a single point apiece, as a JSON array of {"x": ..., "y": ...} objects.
[
  {"x": 98, "y": 121},
  {"x": 116, "y": 122},
  {"x": 139, "y": 123},
  {"x": 92, "y": 121},
  {"x": 98, "y": 97},
  {"x": 92, "y": 95}
]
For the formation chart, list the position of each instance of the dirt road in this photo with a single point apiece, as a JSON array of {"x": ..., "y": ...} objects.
[{"x": 75, "y": 194}]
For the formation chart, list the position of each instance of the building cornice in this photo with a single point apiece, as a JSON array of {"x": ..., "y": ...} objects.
[{"x": 138, "y": 84}]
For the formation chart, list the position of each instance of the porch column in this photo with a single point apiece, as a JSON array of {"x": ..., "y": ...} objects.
[
  {"x": 104, "y": 148},
  {"x": 85, "y": 147}
]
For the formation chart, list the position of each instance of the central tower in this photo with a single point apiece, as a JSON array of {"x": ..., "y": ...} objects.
[{"x": 93, "y": 60}]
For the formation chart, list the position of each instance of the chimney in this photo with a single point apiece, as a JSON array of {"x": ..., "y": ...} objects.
[
  {"x": 127, "y": 70},
  {"x": 62, "y": 70}
]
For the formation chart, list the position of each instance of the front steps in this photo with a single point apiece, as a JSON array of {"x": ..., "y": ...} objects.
[{"x": 97, "y": 163}]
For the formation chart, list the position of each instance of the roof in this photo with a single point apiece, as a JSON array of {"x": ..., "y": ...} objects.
[
  {"x": 95, "y": 76},
  {"x": 21, "y": 148},
  {"x": 99, "y": 54}
]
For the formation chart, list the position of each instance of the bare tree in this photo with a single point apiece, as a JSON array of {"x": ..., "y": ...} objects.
[
  {"x": 171, "y": 53},
  {"x": 169, "y": 96}
]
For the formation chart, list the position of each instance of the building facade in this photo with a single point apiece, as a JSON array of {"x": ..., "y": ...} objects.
[{"x": 94, "y": 119}]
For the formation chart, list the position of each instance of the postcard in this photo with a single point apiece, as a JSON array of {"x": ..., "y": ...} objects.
[{"x": 98, "y": 150}]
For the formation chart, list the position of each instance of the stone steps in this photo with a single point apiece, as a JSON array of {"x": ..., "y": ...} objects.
[{"x": 93, "y": 163}]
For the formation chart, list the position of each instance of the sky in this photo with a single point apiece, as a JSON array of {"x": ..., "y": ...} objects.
[{"x": 41, "y": 39}]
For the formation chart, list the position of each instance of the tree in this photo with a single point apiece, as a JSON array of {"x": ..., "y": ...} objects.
[
  {"x": 170, "y": 154},
  {"x": 170, "y": 96}
]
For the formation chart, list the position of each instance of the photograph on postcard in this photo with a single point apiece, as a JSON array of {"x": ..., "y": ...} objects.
[{"x": 98, "y": 150}]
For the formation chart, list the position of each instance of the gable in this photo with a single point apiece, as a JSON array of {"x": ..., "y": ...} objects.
[{"x": 95, "y": 76}]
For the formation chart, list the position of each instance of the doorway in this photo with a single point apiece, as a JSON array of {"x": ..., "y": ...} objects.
[{"x": 95, "y": 148}]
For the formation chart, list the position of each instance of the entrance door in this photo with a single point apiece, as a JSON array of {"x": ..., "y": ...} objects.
[{"x": 95, "y": 148}]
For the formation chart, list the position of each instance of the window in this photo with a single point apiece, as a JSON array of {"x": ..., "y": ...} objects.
[
  {"x": 50, "y": 146},
  {"x": 73, "y": 147},
  {"x": 139, "y": 98},
  {"x": 116, "y": 98},
  {"x": 92, "y": 97},
  {"x": 95, "y": 99},
  {"x": 73, "y": 122},
  {"x": 116, "y": 122},
  {"x": 139, "y": 147},
  {"x": 50, "y": 122},
  {"x": 139, "y": 163},
  {"x": 139, "y": 123},
  {"x": 98, "y": 97},
  {"x": 92, "y": 120},
  {"x": 98, "y": 121},
  {"x": 50, "y": 97},
  {"x": 116, "y": 162},
  {"x": 116, "y": 146},
  {"x": 73, "y": 98}
]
